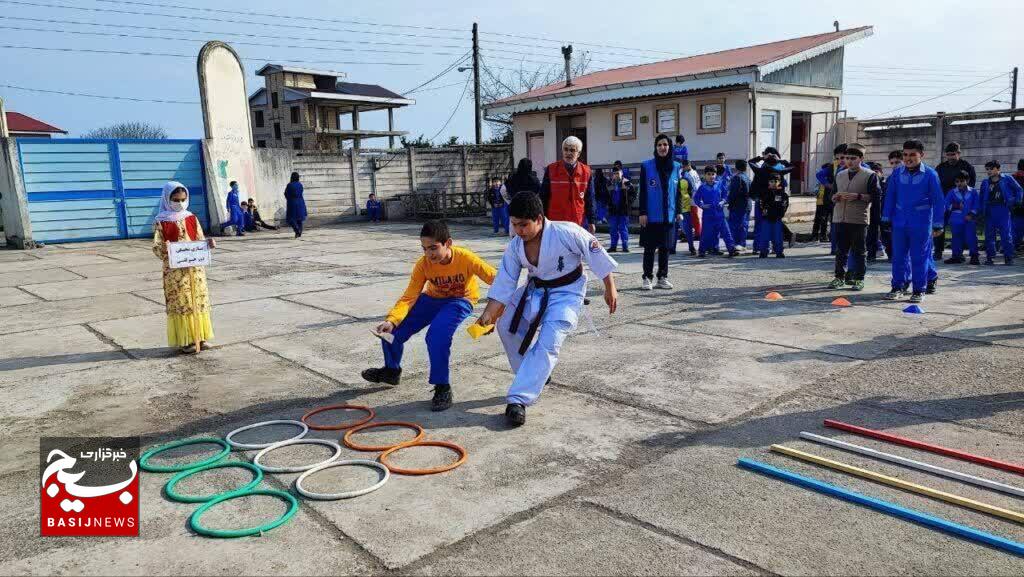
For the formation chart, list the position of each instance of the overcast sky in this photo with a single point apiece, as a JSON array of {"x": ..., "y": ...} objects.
[{"x": 919, "y": 50}]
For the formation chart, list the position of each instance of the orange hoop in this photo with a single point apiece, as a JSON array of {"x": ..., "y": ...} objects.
[
  {"x": 375, "y": 448},
  {"x": 399, "y": 471},
  {"x": 338, "y": 427}
]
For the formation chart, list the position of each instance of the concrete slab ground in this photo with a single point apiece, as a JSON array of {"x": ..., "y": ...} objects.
[{"x": 626, "y": 464}]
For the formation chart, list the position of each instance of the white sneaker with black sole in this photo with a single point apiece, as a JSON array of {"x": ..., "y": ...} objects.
[
  {"x": 645, "y": 284},
  {"x": 663, "y": 284}
]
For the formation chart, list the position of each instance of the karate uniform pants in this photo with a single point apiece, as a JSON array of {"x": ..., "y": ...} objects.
[
  {"x": 917, "y": 244},
  {"x": 965, "y": 235},
  {"x": 499, "y": 218},
  {"x": 739, "y": 223},
  {"x": 998, "y": 222},
  {"x": 618, "y": 229},
  {"x": 533, "y": 369},
  {"x": 715, "y": 227},
  {"x": 443, "y": 316},
  {"x": 771, "y": 233}
]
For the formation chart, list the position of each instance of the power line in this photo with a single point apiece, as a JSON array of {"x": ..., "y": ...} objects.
[
  {"x": 941, "y": 70},
  {"x": 285, "y": 16},
  {"x": 192, "y": 56},
  {"x": 104, "y": 97},
  {"x": 936, "y": 97},
  {"x": 986, "y": 99},
  {"x": 439, "y": 87},
  {"x": 447, "y": 69},
  {"x": 242, "y": 34},
  {"x": 577, "y": 42},
  {"x": 458, "y": 105}
]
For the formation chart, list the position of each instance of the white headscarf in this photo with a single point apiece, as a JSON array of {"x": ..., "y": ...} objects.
[{"x": 168, "y": 214}]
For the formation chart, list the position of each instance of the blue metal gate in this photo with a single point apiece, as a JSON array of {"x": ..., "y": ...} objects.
[{"x": 98, "y": 189}]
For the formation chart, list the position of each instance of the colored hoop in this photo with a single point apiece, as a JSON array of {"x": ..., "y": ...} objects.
[
  {"x": 144, "y": 460},
  {"x": 254, "y": 446},
  {"x": 399, "y": 471},
  {"x": 175, "y": 496},
  {"x": 342, "y": 427},
  {"x": 298, "y": 468},
  {"x": 345, "y": 494},
  {"x": 376, "y": 448},
  {"x": 231, "y": 533}
]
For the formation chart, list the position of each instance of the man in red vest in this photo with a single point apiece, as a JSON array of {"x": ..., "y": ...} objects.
[{"x": 568, "y": 189}]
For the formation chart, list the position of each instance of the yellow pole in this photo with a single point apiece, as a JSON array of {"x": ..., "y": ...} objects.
[{"x": 901, "y": 484}]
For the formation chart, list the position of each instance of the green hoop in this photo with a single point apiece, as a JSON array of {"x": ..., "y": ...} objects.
[
  {"x": 231, "y": 533},
  {"x": 144, "y": 460},
  {"x": 175, "y": 496}
]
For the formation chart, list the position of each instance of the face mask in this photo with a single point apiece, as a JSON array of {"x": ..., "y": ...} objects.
[{"x": 179, "y": 206}]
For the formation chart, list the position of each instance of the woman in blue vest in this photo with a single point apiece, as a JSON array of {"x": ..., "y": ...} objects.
[{"x": 659, "y": 211}]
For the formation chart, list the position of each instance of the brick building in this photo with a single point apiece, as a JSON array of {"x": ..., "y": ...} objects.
[{"x": 307, "y": 109}]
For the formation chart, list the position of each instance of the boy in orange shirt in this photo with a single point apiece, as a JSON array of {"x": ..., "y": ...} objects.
[{"x": 450, "y": 276}]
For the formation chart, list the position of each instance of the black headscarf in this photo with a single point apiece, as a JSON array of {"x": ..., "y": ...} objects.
[
  {"x": 523, "y": 179},
  {"x": 663, "y": 163}
]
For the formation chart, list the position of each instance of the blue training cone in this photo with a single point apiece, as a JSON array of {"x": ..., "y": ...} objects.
[{"x": 914, "y": 310}]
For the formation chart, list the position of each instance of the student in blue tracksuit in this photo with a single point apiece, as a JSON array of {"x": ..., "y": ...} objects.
[
  {"x": 999, "y": 194},
  {"x": 236, "y": 216},
  {"x": 739, "y": 204},
  {"x": 914, "y": 206},
  {"x": 499, "y": 208},
  {"x": 724, "y": 171},
  {"x": 1018, "y": 211},
  {"x": 710, "y": 199},
  {"x": 373, "y": 208},
  {"x": 621, "y": 194},
  {"x": 679, "y": 151},
  {"x": 774, "y": 205},
  {"x": 962, "y": 206}
]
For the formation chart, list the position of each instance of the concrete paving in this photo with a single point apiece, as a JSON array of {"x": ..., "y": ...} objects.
[{"x": 625, "y": 466}]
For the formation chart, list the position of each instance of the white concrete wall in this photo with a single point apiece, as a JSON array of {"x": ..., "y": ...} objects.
[
  {"x": 13, "y": 199},
  {"x": 786, "y": 104},
  {"x": 601, "y": 149}
]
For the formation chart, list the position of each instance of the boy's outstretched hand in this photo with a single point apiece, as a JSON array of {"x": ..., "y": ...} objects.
[{"x": 386, "y": 327}]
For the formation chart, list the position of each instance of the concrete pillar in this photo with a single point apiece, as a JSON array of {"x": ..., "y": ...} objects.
[
  {"x": 353, "y": 158},
  {"x": 391, "y": 127},
  {"x": 3, "y": 121},
  {"x": 465, "y": 174},
  {"x": 940, "y": 128},
  {"x": 355, "y": 126},
  {"x": 13, "y": 198},
  {"x": 412, "y": 169}
]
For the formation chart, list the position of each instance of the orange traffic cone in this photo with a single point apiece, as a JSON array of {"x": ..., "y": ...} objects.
[
  {"x": 841, "y": 302},
  {"x": 773, "y": 296}
]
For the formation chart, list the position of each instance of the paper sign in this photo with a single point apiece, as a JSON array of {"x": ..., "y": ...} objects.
[
  {"x": 476, "y": 331},
  {"x": 188, "y": 254},
  {"x": 387, "y": 337}
]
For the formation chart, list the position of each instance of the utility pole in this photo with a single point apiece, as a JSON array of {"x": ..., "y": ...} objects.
[
  {"x": 476, "y": 85},
  {"x": 1013, "y": 93}
]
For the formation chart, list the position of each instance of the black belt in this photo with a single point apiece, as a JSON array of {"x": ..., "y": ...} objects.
[{"x": 541, "y": 284}]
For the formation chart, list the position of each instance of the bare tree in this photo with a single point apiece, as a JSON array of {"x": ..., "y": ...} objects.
[
  {"x": 138, "y": 130},
  {"x": 498, "y": 84}
]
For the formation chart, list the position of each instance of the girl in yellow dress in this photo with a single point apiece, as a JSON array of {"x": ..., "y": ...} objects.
[{"x": 185, "y": 289}]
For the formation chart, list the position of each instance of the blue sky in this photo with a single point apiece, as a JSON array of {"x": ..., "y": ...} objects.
[{"x": 916, "y": 53}]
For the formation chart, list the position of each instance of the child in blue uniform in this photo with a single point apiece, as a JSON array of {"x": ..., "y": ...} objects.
[
  {"x": 739, "y": 204},
  {"x": 773, "y": 207},
  {"x": 621, "y": 194},
  {"x": 499, "y": 208},
  {"x": 962, "y": 206},
  {"x": 710, "y": 199},
  {"x": 999, "y": 194},
  {"x": 373, "y": 208}
]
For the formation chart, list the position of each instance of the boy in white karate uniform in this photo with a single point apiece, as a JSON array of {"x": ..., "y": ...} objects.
[{"x": 547, "y": 306}]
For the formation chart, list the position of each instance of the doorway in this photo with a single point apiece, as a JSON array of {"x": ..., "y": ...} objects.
[
  {"x": 575, "y": 125},
  {"x": 799, "y": 136},
  {"x": 535, "y": 152}
]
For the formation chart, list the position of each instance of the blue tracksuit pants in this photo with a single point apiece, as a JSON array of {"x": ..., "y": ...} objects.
[
  {"x": 618, "y": 228},
  {"x": 771, "y": 233},
  {"x": 915, "y": 243},
  {"x": 965, "y": 236},
  {"x": 715, "y": 227},
  {"x": 998, "y": 221},
  {"x": 758, "y": 222},
  {"x": 1018, "y": 230},
  {"x": 443, "y": 316},
  {"x": 687, "y": 228},
  {"x": 373, "y": 213},
  {"x": 499, "y": 218},
  {"x": 739, "y": 223}
]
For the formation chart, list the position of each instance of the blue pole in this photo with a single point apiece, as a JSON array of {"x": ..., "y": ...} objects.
[{"x": 885, "y": 507}]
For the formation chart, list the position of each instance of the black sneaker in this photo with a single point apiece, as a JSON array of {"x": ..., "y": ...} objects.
[
  {"x": 1008, "y": 260},
  {"x": 693, "y": 252},
  {"x": 916, "y": 297},
  {"x": 930, "y": 289},
  {"x": 762, "y": 255},
  {"x": 442, "y": 398},
  {"x": 989, "y": 262},
  {"x": 613, "y": 249},
  {"x": 383, "y": 375},
  {"x": 975, "y": 260},
  {"x": 893, "y": 295},
  {"x": 625, "y": 249},
  {"x": 954, "y": 260},
  {"x": 515, "y": 414},
  {"x": 733, "y": 253},
  {"x": 781, "y": 255}
]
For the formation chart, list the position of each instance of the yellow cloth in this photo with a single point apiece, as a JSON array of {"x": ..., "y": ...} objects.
[
  {"x": 185, "y": 291},
  {"x": 821, "y": 195},
  {"x": 684, "y": 189},
  {"x": 457, "y": 279},
  {"x": 179, "y": 329},
  {"x": 476, "y": 331}
]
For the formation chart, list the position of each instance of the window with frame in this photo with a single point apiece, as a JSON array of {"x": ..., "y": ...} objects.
[
  {"x": 258, "y": 118},
  {"x": 295, "y": 114},
  {"x": 711, "y": 115},
  {"x": 666, "y": 118},
  {"x": 273, "y": 99},
  {"x": 277, "y": 130},
  {"x": 624, "y": 124},
  {"x": 297, "y": 143}
]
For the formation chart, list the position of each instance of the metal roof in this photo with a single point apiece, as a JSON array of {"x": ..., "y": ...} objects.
[
  {"x": 18, "y": 122},
  {"x": 271, "y": 68}
]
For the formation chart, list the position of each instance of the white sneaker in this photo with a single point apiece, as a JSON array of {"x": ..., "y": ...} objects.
[
  {"x": 663, "y": 283},
  {"x": 645, "y": 284}
]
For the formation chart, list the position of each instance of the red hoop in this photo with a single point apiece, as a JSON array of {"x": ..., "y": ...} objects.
[{"x": 342, "y": 427}]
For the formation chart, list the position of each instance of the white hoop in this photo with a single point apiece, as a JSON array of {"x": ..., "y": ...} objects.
[
  {"x": 299, "y": 468},
  {"x": 345, "y": 494},
  {"x": 254, "y": 446}
]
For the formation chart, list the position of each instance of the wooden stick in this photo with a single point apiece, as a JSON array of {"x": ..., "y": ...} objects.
[{"x": 195, "y": 308}]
